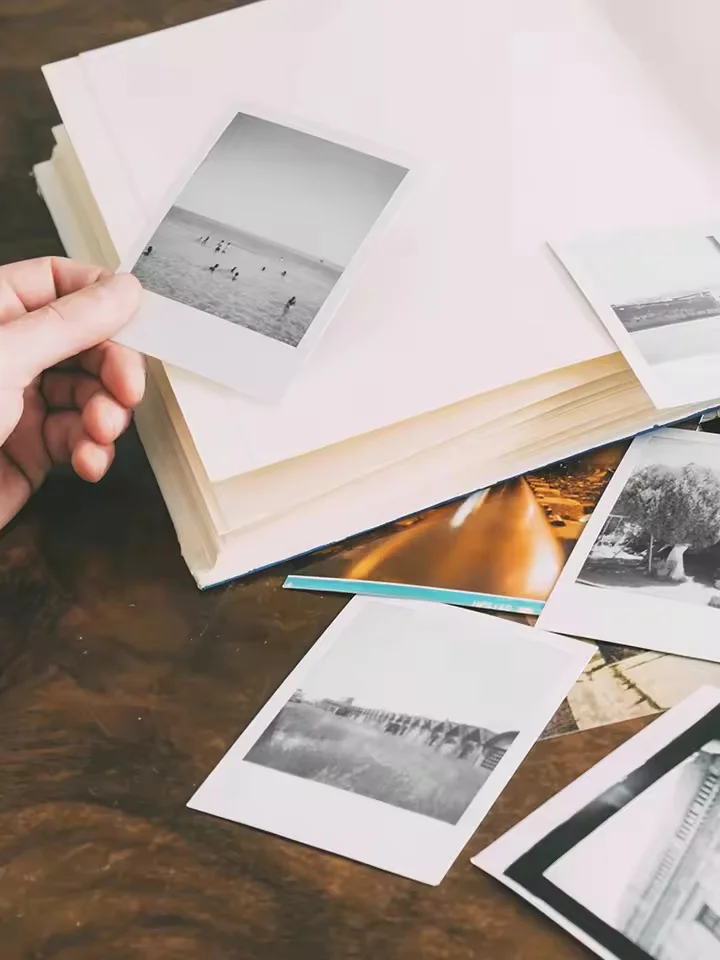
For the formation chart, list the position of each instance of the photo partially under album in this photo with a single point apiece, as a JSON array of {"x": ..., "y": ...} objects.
[
  {"x": 251, "y": 255},
  {"x": 501, "y": 548},
  {"x": 646, "y": 570},
  {"x": 657, "y": 290},
  {"x": 395, "y": 734},
  {"x": 626, "y": 858}
]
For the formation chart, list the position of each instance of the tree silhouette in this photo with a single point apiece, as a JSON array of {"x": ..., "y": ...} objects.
[{"x": 677, "y": 507}]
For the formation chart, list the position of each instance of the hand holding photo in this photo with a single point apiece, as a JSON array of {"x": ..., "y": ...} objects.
[
  {"x": 658, "y": 293},
  {"x": 395, "y": 734},
  {"x": 250, "y": 257},
  {"x": 626, "y": 858},
  {"x": 646, "y": 570}
]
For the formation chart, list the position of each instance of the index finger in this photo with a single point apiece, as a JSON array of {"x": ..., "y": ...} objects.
[{"x": 63, "y": 328}]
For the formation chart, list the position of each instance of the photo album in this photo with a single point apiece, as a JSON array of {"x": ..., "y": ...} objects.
[{"x": 346, "y": 324}]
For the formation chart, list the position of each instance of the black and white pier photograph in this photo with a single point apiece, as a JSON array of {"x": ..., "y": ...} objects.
[
  {"x": 430, "y": 754},
  {"x": 414, "y": 711},
  {"x": 658, "y": 292}
]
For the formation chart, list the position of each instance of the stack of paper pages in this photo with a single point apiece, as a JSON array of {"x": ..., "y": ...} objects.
[{"x": 464, "y": 353}]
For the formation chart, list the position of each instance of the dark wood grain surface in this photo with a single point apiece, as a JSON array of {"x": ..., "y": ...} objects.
[{"x": 121, "y": 685}]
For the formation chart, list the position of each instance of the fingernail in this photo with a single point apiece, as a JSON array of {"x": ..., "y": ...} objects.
[{"x": 122, "y": 286}]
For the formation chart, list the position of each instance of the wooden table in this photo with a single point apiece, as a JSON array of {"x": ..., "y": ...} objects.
[{"x": 121, "y": 686}]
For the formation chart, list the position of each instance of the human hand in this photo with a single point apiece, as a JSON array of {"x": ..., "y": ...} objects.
[{"x": 66, "y": 393}]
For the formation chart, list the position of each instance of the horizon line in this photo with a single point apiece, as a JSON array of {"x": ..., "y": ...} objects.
[
  {"x": 457, "y": 723},
  {"x": 256, "y": 236}
]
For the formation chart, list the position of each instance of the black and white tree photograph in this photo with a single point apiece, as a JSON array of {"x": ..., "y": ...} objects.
[
  {"x": 645, "y": 572},
  {"x": 406, "y": 720},
  {"x": 662, "y": 536}
]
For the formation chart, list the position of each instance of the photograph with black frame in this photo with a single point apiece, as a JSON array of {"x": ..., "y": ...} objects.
[{"x": 628, "y": 857}]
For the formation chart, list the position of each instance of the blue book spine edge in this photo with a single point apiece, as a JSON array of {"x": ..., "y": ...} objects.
[{"x": 408, "y": 591}]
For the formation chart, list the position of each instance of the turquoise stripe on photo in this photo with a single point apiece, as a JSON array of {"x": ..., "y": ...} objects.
[{"x": 406, "y": 591}]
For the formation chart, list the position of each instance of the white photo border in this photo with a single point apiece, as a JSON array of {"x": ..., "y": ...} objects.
[
  {"x": 230, "y": 354},
  {"x": 520, "y": 858},
  {"x": 358, "y": 827},
  {"x": 666, "y": 384},
  {"x": 614, "y": 615}
]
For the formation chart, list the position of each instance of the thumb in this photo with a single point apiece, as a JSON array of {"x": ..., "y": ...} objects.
[{"x": 61, "y": 329}]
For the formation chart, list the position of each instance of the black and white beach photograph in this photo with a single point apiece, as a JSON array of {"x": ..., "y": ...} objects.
[
  {"x": 265, "y": 227},
  {"x": 650, "y": 551},
  {"x": 412, "y": 711},
  {"x": 264, "y": 236},
  {"x": 628, "y": 855},
  {"x": 658, "y": 292}
]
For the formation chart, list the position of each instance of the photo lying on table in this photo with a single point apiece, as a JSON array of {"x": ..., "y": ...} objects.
[
  {"x": 658, "y": 293},
  {"x": 646, "y": 570},
  {"x": 622, "y": 683},
  {"x": 499, "y": 549},
  {"x": 394, "y": 736},
  {"x": 627, "y": 858},
  {"x": 251, "y": 255}
]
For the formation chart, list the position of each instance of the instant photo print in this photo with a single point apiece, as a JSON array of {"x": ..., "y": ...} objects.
[
  {"x": 250, "y": 256},
  {"x": 395, "y": 735},
  {"x": 646, "y": 570},
  {"x": 627, "y": 857},
  {"x": 657, "y": 290}
]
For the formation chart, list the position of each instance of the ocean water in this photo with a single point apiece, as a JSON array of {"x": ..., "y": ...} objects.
[{"x": 179, "y": 268}]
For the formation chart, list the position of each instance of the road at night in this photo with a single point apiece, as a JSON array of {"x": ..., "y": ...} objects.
[{"x": 496, "y": 542}]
